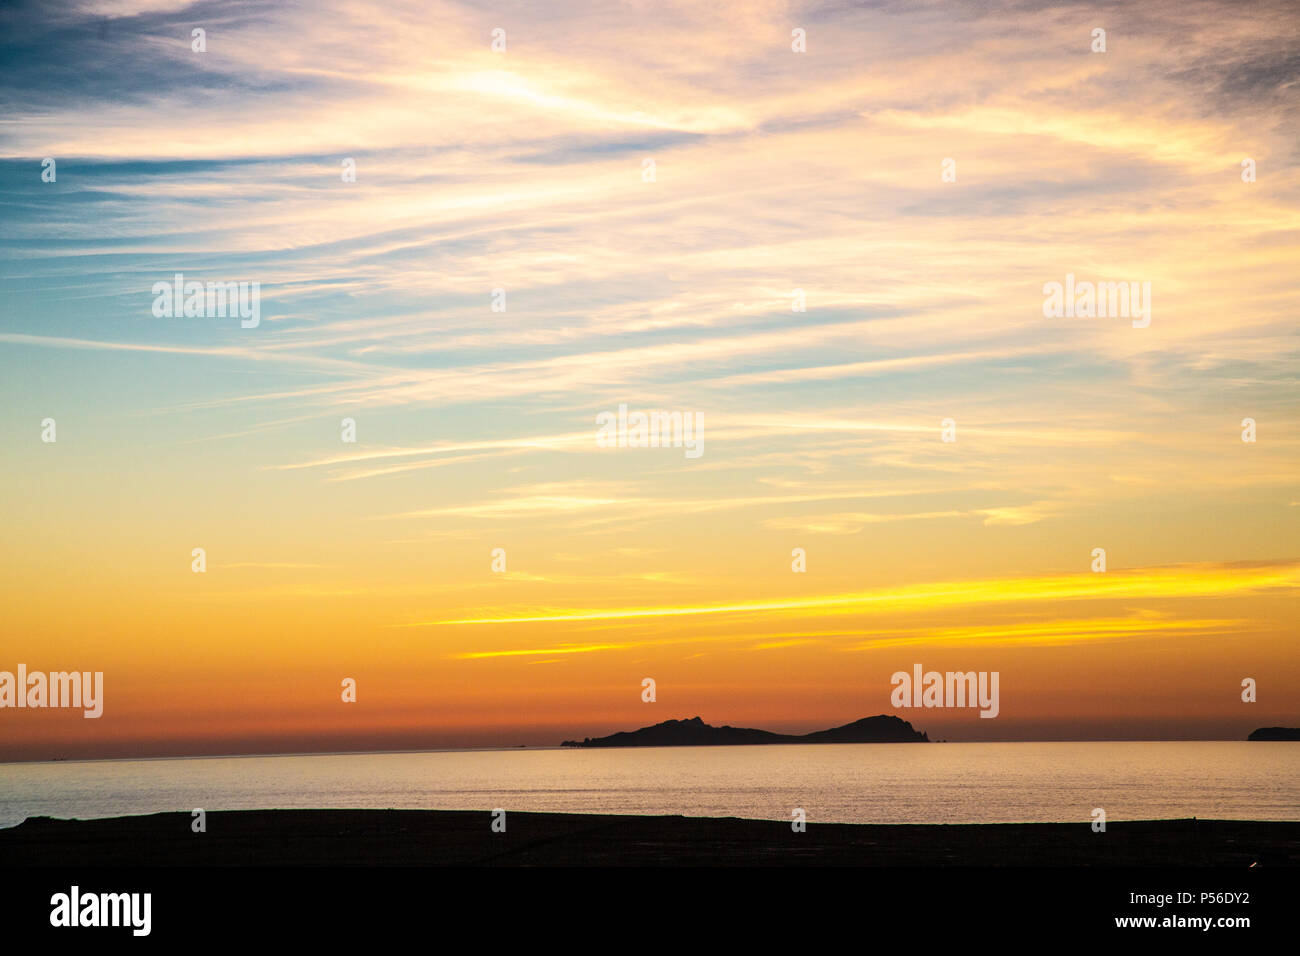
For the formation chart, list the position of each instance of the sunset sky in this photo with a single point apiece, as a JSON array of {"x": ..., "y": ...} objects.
[{"x": 524, "y": 170}]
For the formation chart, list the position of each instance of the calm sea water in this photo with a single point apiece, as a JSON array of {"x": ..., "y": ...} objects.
[{"x": 863, "y": 783}]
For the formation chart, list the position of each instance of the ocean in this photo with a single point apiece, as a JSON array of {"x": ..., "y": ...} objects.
[{"x": 845, "y": 783}]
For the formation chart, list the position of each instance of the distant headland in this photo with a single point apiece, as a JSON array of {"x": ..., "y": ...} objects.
[
  {"x": 1276, "y": 733},
  {"x": 883, "y": 729}
]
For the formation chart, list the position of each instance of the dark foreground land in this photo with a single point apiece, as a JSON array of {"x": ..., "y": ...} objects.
[{"x": 459, "y": 838}]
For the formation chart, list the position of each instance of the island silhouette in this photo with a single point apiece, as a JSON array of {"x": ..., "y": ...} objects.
[{"x": 882, "y": 729}]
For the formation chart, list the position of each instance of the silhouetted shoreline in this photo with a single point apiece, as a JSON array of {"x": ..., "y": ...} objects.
[
  {"x": 465, "y": 838},
  {"x": 1275, "y": 733}
]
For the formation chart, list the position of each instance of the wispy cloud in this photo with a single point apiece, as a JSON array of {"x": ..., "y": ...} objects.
[{"x": 1155, "y": 583}]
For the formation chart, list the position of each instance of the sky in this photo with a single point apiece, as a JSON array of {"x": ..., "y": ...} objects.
[{"x": 681, "y": 213}]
